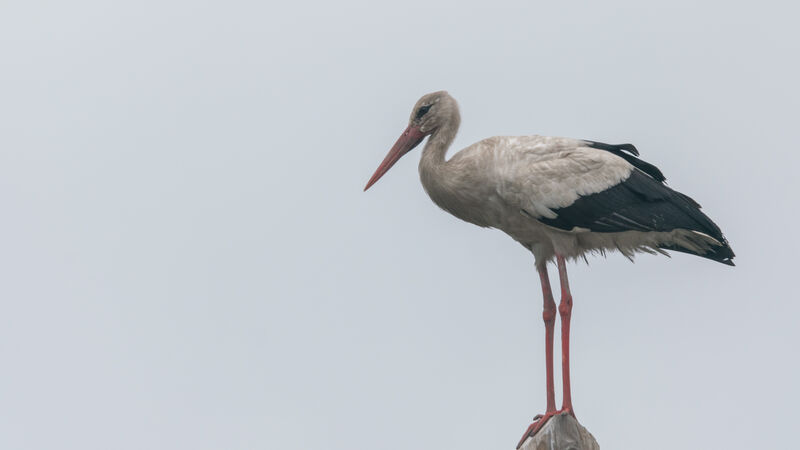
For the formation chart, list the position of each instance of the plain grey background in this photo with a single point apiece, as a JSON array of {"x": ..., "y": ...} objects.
[{"x": 187, "y": 260}]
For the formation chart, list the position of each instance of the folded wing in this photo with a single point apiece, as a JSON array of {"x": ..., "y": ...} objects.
[{"x": 585, "y": 190}]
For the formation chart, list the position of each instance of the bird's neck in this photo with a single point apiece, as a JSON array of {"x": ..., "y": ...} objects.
[
  {"x": 433, "y": 168},
  {"x": 433, "y": 155}
]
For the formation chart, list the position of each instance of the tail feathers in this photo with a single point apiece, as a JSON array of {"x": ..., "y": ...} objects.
[{"x": 719, "y": 253}]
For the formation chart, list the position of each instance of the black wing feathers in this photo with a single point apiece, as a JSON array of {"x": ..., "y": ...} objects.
[
  {"x": 614, "y": 148},
  {"x": 629, "y": 153},
  {"x": 640, "y": 203}
]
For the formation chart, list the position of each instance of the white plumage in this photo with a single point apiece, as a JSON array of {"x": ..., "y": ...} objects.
[{"x": 511, "y": 180}]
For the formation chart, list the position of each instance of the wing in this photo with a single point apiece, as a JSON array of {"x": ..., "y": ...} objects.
[
  {"x": 638, "y": 203},
  {"x": 580, "y": 189}
]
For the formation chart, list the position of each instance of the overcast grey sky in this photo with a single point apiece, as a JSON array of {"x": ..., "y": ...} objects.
[{"x": 187, "y": 260}]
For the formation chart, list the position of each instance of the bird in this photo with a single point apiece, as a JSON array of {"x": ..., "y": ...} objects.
[{"x": 560, "y": 198}]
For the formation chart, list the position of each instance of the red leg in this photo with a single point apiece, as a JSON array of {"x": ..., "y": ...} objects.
[
  {"x": 565, "y": 309},
  {"x": 549, "y": 316}
]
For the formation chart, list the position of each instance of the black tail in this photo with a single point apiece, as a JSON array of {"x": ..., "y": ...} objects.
[{"x": 723, "y": 254}]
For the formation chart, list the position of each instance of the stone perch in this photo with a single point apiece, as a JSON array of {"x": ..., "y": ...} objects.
[{"x": 561, "y": 432}]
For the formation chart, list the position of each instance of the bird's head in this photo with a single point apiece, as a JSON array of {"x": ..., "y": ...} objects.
[{"x": 431, "y": 112}]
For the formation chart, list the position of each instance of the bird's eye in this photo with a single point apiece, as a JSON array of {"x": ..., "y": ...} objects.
[{"x": 422, "y": 111}]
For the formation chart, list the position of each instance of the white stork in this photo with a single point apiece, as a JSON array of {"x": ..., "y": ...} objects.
[{"x": 560, "y": 198}]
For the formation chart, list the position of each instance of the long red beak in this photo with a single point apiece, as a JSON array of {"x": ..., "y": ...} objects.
[{"x": 407, "y": 141}]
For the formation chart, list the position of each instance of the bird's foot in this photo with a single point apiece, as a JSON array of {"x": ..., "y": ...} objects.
[{"x": 539, "y": 420}]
